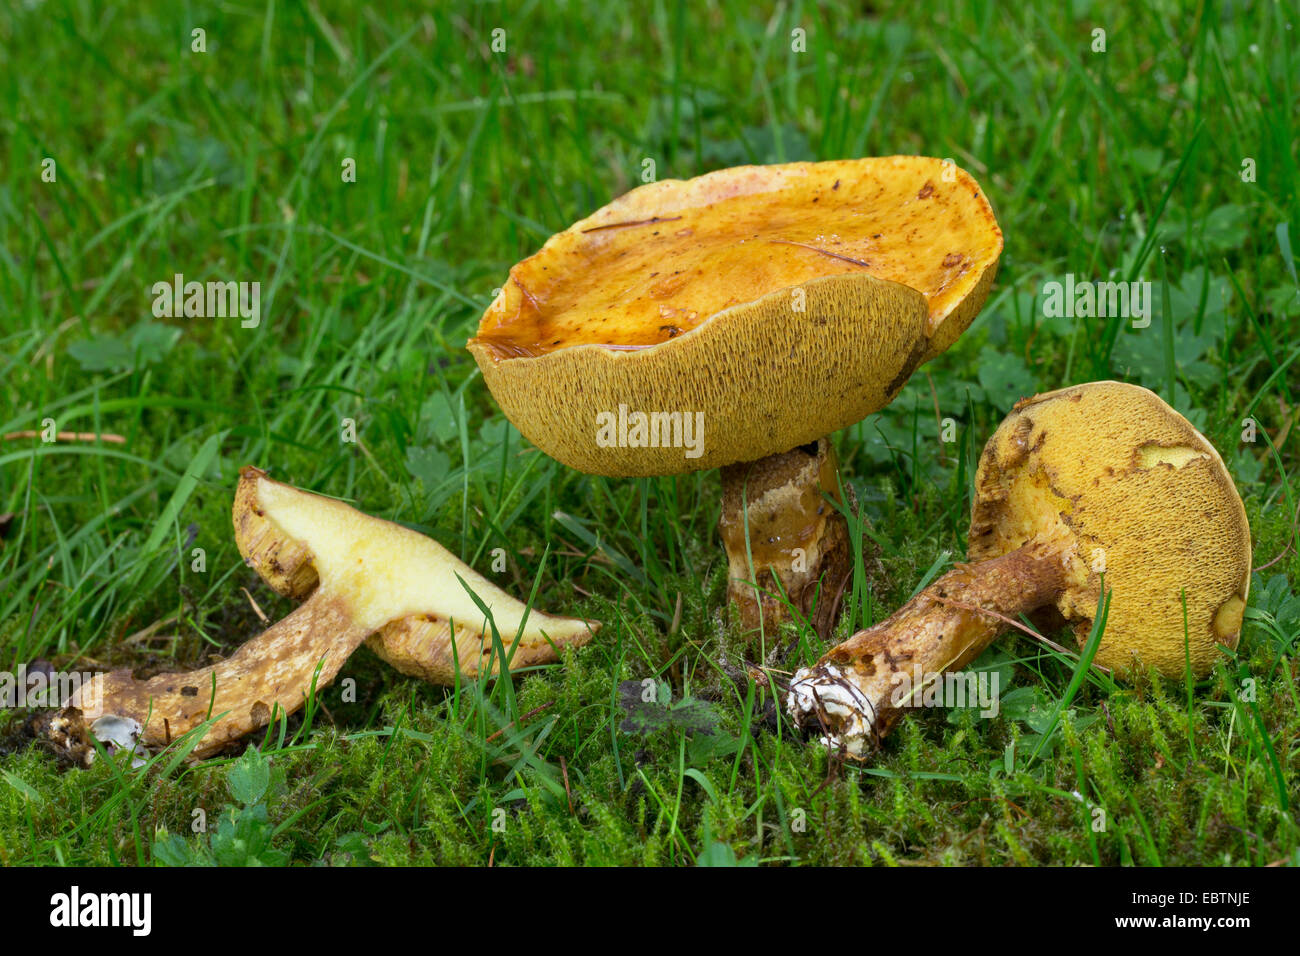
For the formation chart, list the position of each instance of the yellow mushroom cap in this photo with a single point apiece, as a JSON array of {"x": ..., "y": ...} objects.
[
  {"x": 1140, "y": 494},
  {"x": 767, "y": 305}
]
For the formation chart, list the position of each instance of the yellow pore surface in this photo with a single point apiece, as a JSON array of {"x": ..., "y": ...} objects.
[{"x": 1143, "y": 498}]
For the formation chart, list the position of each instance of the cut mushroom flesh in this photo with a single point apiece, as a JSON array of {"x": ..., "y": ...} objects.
[{"x": 361, "y": 576}]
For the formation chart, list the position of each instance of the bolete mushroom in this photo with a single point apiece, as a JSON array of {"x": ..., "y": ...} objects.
[
  {"x": 734, "y": 321},
  {"x": 361, "y": 577},
  {"x": 1096, "y": 484}
]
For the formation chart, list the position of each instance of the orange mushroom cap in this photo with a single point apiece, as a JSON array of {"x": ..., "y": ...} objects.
[{"x": 780, "y": 303}]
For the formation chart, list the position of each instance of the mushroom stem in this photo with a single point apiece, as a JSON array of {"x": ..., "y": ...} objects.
[
  {"x": 425, "y": 612},
  {"x": 798, "y": 541},
  {"x": 858, "y": 690},
  {"x": 275, "y": 669}
]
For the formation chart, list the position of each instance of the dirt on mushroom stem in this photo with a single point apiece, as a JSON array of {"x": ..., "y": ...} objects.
[
  {"x": 853, "y": 694},
  {"x": 273, "y": 673},
  {"x": 426, "y": 613},
  {"x": 1101, "y": 484},
  {"x": 780, "y": 514}
]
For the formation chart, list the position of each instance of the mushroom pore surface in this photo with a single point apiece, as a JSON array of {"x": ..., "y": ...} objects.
[
  {"x": 767, "y": 306},
  {"x": 1146, "y": 499},
  {"x": 1097, "y": 485}
]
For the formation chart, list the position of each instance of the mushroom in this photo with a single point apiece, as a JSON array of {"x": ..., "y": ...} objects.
[
  {"x": 1096, "y": 485},
  {"x": 734, "y": 321},
  {"x": 361, "y": 577}
]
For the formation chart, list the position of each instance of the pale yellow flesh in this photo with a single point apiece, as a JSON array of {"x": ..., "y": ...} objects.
[
  {"x": 374, "y": 576},
  {"x": 386, "y": 572}
]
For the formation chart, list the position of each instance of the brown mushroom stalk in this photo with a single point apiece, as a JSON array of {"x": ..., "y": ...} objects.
[
  {"x": 773, "y": 306},
  {"x": 1099, "y": 480},
  {"x": 787, "y": 544},
  {"x": 858, "y": 690},
  {"x": 276, "y": 669},
  {"x": 361, "y": 577}
]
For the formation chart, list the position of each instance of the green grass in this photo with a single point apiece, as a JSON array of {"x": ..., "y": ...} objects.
[{"x": 226, "y": 165}]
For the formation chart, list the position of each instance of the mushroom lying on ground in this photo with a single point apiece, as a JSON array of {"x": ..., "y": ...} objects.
[
  {"x": 770, "y": 305},
  {"x": 1099, "y": 482},
  {"x": 361, "y": 577}
]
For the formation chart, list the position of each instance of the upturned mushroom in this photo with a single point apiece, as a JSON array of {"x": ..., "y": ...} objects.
[
  {"x": 734, "y": 321},
  {"x": 361, "y": 577},
  {"x": 1096, "y": 485}
]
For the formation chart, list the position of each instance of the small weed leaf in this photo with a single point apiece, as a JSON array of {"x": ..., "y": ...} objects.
[
  {"x": 720, "y": 854},
  {"x": 1004, "y": 377},
  {"x": 1275, "y": 610},
  {"x": 249, "y": 777},
  {"x": 1030, "y": 706},
  {"x": 146, "y": 343},
  {"x": 243, "y": 835},
  {"x": 352, "y": 849},
  {"x": 428, "y": 465},
  {"x": 659, "y": 713}
]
